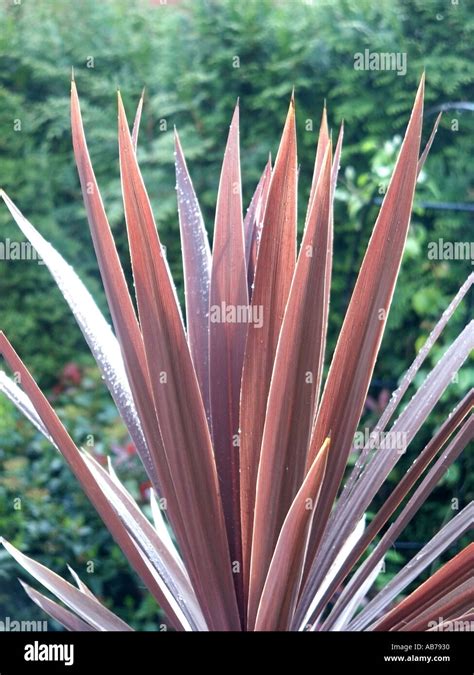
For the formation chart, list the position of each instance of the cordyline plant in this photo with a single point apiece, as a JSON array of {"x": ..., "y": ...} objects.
[{"x": 254, "y": 527}]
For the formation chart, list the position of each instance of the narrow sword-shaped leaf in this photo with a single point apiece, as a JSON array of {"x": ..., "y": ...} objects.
[
  {"x": 404, "y": 384},
  {"x": 280, "y": 592},
  {"x": 341, "y": 557},
  {"x": 157, "y": 552},
  {"x": 295, "y": 379},
  {"x": 79, "y": 583},
  {"x": 118, "y": 298},
  {"x": 186, "y": 439},
  {"x": 97, "y": 332},
  {"x": 321, "y": 148},
  {"x": 253, "y": 223},
  {"x": 444, "y": 601},
  {"x": 453, "y": 530},
  {"x": 457, "y": 572},
  {"x": 460, "y": 599},
  {"x": 328, "y": 269},
  {"x": 158, "y": 520},
  {"x": 274, "y": 272},
  {"x": 89, "y": 609},
  {"x": 457, "y": 445},
  {"x": 356, "y": 599},
  {"x": 338, "y": 517},
  {"x": 71, "y": 453},
  {"x": 137, "y": 120},
  {"x": 18, "y": 397},
  {"x": 162, "y": 529},
  {"x": 359, "y": 341},
  {"x": 196, "y": 271},
  {"x": 411, "y": 372},
  {"x": 425, "y": 153},
  {"x": 405, "y": 428},
  {"x": 410, "y": 420},
  {"x": 227, "y": 336},
  {"x": 56, "y": 611},
  {"x": 125, "y": 321}
]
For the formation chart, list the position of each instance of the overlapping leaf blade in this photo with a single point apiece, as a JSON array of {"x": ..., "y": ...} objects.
[
  {"x": 274, "y": 272},
  {"x": 228, "y": 325},
  {"x": 253, "y": 223},
  {"x": 118, "y": 296},
  {"x": 89, "y": 609},
  {"x": 71, "y": 453},
  {"x": 448, "y": 592},
  {"x": 196, "y": 512},
  {"x": 66, "y": 618},
  {"x": 359, "y": 341},
  {"x": 295, "y": 381},
  {"x": 196, "y": 271},
  {"x": 280, "y": 592},
  {"x": 460, "y": 441},
  {"x": 97, "y": 332}
]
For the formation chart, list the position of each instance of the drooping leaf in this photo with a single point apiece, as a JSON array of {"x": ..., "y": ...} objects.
[
  {"x": 71, "y": 453},
  {"x": 66, "y": 618},
  {"x": 89, "y": 609},
  {"x": 176, "y": 585},
  {"x": 404, "y": 429},
  {"x": 97, "y": 332},
  {"x": 407, "y": 379}
]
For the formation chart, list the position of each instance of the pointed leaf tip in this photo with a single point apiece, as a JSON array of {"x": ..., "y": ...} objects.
[
  {"x": 421, "y": 86},
  {"x": 235, "y": 117}
]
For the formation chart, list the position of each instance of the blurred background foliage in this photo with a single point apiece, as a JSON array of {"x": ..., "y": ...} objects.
[{"x": 195, "y": 59}]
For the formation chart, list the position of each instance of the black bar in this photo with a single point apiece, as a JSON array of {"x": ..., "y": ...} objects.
[{"x": 433, "y": 652}]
